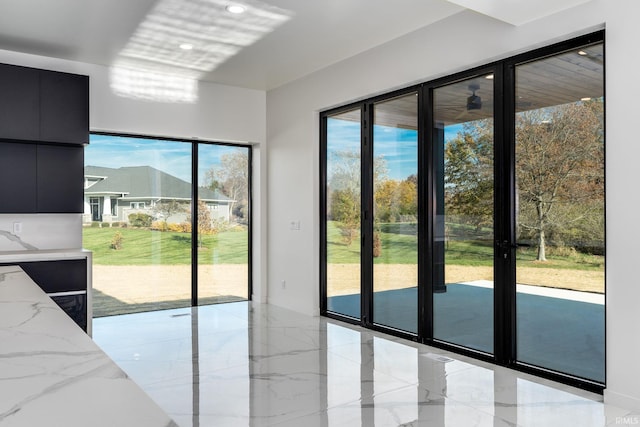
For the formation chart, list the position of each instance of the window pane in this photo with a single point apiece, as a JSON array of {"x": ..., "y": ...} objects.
[
  {"x": 137, "y": 197},
  {"x": 560, "y": 212},
  {"x": 343, "y": 213},
  {"x": 223, "y": 223},
  {"x": 463, "y": 255},
  {"x": 395, "y": 235}
]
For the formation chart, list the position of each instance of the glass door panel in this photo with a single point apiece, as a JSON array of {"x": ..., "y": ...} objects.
[
  {"x": 223, "y": 223},
  {"x": 560, "y": 212},
  {"x": 137, "y": 193},
  {"x": 395, "y": 226},
  {"x": 463, "y": 226},
  {"x": 343, "y": 192}
]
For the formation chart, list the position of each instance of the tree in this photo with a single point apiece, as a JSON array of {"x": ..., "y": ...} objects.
[
  {"x": 559, "y": 164},
  {"x": 232, "y": 178},
  {"x": 168, "y": 208},
  {"x": 343, "y": 189},
  {"x": 559, "y": 173},
  {"x": 205, "y": 224},
  {"x": 469, "y": 174},
  {"x": 345, "y": 209},
  {"x": 396, "y": 200}
]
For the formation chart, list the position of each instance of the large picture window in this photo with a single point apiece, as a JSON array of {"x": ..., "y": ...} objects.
[
  {"x": 477, "y": 201},
  {"x": 163, "y": 236}
]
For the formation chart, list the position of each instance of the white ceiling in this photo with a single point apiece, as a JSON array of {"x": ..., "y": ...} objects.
[{"x": 281, "y": 40}]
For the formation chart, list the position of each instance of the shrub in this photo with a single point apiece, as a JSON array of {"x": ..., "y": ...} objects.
[
  {"x": 116, "y": 241},
  {"x": 95, "y": 224},
  {"x": 105, "y": 225},
  {"x": 562, "y": 251},
  {"x": 160, "y": 226},
  {"x": 115, "y": 224},
  {"x": 183, "y": 227},
  {"x": 140, "y": 220}
]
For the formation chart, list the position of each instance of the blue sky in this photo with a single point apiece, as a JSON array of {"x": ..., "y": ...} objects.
[
  {"x": 173, "y": 157},
  {"x": 399, "y": 147}
]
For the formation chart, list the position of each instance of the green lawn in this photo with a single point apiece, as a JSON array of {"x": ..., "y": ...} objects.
[
  {"x": 143, "y": 247},
  {"x": 399, "y": 246}
]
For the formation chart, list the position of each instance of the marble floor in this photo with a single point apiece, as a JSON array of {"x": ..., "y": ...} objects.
[{"x": 244, "y": 364}]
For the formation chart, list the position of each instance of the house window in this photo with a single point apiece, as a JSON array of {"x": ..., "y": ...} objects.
[{"x": 137, "y": 205}]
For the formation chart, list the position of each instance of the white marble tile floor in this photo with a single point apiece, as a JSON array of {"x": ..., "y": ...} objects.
[{"x": 245, "y": 364}]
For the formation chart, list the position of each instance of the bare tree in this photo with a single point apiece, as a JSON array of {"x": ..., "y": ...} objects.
[
  {"x": 168, "y": 208},
  {"x": 232, "y": 178},
  {"x": 559, "y": 164},
  {"x": 205, "y": 223}
]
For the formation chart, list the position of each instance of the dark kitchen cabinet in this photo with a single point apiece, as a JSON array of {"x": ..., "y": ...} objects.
[
  {"x": 43, "y": 106},
  {"x": 64, "y": 108},
  {"x": 18, "y": 177},
  {"x": 39, "y": 178},
  {"x": 19, "y": 102},
  {"x": 60, "y": 178}
]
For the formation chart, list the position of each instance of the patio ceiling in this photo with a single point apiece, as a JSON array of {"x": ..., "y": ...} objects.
[{"x": 557, "y": 80}]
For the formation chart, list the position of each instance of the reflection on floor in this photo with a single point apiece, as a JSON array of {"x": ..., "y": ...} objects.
[
  {"x": 558, "y": 329},
  {"x": 244, "y": 364}
]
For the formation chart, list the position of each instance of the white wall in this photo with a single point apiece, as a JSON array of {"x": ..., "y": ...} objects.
[
  {"x": 221, "y": 113},
  {"x": 457, "y": 43}
]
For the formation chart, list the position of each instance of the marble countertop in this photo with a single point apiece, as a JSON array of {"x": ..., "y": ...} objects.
[
  {"x": 53, "y": 374},
  {"x": 43, "y": 255}
]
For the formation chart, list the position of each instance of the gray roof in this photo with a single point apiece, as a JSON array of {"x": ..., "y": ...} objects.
[{"x": 145, "y": 182}]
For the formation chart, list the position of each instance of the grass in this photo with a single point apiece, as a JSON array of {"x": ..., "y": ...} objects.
[
  {"x": 399, "y": 246},
  {"x": 144, "y": 247}
]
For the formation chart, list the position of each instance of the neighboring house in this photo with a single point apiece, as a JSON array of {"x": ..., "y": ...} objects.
[{"x": 113, "y": 194}]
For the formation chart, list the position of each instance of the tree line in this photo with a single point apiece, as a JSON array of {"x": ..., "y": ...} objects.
[{"x": 559, "y": 163}]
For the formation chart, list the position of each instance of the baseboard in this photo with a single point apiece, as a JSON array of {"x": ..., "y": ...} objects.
[{"x": 622, "y": 400}]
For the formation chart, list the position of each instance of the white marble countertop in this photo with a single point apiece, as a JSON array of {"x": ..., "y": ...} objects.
[
  {"x": 43, "y": 255},
  {"x": 53, "y": 374}
]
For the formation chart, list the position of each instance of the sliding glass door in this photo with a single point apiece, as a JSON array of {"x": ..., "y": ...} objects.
[
  {"x": 395, "y": 218},
  {"x": 140, "y": 207},
  {"x": 559, "y": 212},
  {"x": 223, "y": 223},
  {"x": 468, "y": 212},
  {"x": 464, "y": 203},
  {"x": 343, "y": 213},
  {"x": 137, "y": 198}
]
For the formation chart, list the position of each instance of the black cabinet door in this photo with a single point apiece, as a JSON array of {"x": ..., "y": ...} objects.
[
  {"x": 18, "y": 178},
  {"x": 64, "y": 107},
  {"x": 60, "y": 179},
  {"x": 19, "y": 103},
  {"x": 58, "y": 276}
]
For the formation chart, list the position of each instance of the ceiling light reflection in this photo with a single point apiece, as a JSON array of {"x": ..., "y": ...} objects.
[
  {"x": 235, "y": 8},
  {"x": 213, "y": 35}
]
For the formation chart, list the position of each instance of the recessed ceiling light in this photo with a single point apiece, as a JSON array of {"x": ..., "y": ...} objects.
[
  {"x": 489, "y": 77},
  {"x": 586, "y": 98},
  {"x": 235, "y": 8},
  {"x": 186, "y": 46},
  {"x": 582, "y": 53}
]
